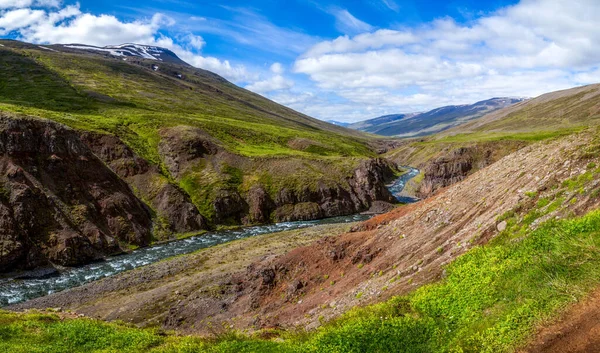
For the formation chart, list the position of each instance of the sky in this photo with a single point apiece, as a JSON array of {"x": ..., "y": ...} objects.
[{"x": 345, "y": 60}]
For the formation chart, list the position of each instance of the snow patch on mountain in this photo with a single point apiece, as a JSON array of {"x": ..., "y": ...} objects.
[{"x": 132, "y": 50}]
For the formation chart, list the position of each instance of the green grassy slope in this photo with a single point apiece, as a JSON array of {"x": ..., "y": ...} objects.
[
  {"x": 138, "y": 104},
  {"x": 549, "y": 116},
  {"x": 555, "y": 111},
  {"x": 129, "y": 99}
]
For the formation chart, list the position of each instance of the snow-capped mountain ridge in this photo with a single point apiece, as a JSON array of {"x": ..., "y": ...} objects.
[{"x": 131, "y": 50}]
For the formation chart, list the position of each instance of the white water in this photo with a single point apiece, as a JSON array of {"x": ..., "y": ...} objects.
[{"x": 14, "y": 291}]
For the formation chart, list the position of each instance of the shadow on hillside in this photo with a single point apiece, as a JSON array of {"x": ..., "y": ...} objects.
[{"x": 27, "y": 83}]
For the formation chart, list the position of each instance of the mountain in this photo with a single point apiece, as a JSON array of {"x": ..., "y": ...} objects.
[
  {"x": 338, "y": 123},
  {"x": 101, "y": 153},
  {"x": 479, "y": 266},
  {"x": 454, "y": 154},
  {"x": 124, "y": 51},
  {"x": 431, "y": 122},
  {"x": 371, "y": 124},
  {"x": 560, "y": 110}
]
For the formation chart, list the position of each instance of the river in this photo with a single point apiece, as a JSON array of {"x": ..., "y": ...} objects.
[{"x": 14, "y": 291}]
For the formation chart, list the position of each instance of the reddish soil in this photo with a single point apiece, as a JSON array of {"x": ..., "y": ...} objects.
[
  {"x": 388, "y": 255},
  {"x": 577, "y": 332}
]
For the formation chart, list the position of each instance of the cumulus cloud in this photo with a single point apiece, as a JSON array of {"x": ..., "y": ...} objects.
[
  {"x": 195, "y": 42},
  {"x": 41, "y": 21},
  {"x": 275, "y": 83},
  {"x": 526, "y": 49},
  {"x": 7, "y": 4},
  {"x": 277, "y": 68}
]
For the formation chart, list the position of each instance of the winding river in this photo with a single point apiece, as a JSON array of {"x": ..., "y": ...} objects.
[
  {"x": 14, "y": 291},
  {"x": 398, "y": 185}
]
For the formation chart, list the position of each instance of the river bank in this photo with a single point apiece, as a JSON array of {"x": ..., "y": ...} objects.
[{"x": 18, "y": 289}]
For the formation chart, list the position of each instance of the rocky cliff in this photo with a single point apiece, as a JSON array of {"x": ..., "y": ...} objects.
[
  {"x": 445, "y": 163},
  {"x": 281, "y": 192},
  {"x": 68, "y": 197},
  {"x": 455, "y": 163},
  {"x": 59, "y": 203}
]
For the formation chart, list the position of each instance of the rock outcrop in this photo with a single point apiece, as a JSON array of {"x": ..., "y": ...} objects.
[
  {"x": 190, "y": 151},
  {"x": 69, "y": 197},
  {"x": 366, "y": 186},
  {"x": 446, "y": 170},
  {"x": 58, "y": 202},
  {"x": 455, "y": 164},
  {"x": 171, "y": 203}
]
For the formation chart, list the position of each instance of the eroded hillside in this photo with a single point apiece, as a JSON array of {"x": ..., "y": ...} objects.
[
  {"x": 188, "y": 150},
  {"x": 389, "y": 255}
]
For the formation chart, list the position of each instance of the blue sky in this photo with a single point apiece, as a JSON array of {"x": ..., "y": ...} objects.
[{"x": 345, "y": 60}]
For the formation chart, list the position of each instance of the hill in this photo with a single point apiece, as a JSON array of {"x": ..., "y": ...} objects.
[
  {"x": 566, "y": 109},
  {"x": 338, "y": 123},
  {"x": 506, "y": 239},
  {"x": 454, "y": 154},
  {"x": 148, "y": 148},
  {"x": 431, "y": 122},
  {"x": 477, "y": 267}
]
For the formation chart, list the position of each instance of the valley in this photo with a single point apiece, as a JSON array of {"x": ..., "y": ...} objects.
[
  {"x": 146, "y": 205},
  {"x": 166, "y": 156}
]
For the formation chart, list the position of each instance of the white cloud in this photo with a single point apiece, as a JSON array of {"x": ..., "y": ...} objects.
[
  {"x": 19, "y": 4},
  {"x": 194, "y": 41},
  {"x": 391, "y": 4},
  {"x": 69, "y": 25},
  {"x": 592, "y": 76},
  {"x": 7, "y": 4},
  {"x": 526, "y": 49},
  {"x": 277, "y": 68},
  {"x": 379, "y": 39},
  {"x": 275, "y": 83},
  {"x": 346, "y": 23}
]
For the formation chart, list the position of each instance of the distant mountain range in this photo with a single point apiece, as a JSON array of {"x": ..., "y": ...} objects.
[
  {"x": 338, "y": 123},
  {"x": 431, "y": 122}
]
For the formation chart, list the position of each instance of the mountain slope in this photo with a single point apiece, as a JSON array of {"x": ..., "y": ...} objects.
[
  {"x": 452, "y": 155},
  {"x": 500, "y": 261},
  {"x": 125, "y": 51},
  {"x": 566, "y": 109},
  {"x": 431, "y": 122},
  {"x": 195, "y": 150}
]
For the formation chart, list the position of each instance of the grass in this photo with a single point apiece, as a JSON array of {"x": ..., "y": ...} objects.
[
  {"x": 565, "y": 111},
  {"x": 533, "y": 136},
  {"x": 132, "y": 102},
  {"x": 135, "y": 103},
  {"x": 490, "y": 301}
]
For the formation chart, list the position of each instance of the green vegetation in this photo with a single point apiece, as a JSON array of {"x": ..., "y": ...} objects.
[
  {"x": 533, "y": 136},
  {"x": 94, "y": 93},
  {"x": 130, "y": 100},
  {"x": 551, "y": 112},
  {"x": 491, "y": 300}
]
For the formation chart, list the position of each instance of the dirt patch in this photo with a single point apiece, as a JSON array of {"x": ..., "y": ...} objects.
[
  {"x": 150, "y": 296},
  {"x": 578, "y": 331}
]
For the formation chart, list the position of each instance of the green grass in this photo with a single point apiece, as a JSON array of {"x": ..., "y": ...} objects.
[
  {"x": 134, "y": 103},
  {"x": 533, "y": 136},
  {"x": 490, "y": 301},
  {"x": 564, "y": 111}
]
